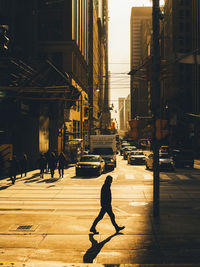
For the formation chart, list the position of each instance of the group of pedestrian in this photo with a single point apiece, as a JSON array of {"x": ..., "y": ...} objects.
[
  {"x": 49, "y": 162},
  {"x": 18, "y": 166}
]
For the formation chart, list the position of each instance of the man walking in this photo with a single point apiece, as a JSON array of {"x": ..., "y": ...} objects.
[
  {"x": 106, "y": 199},
  {"x": 14, "y": 168}
]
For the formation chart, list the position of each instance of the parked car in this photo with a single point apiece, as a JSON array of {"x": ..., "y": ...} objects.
[
  {"x": 127, "y": 150},
  {"x": 183, "y": 157},
  {"x": 136, "y": 158},
  {"x": 90, "y": 164},
  {"x": 165, "y": 162}
]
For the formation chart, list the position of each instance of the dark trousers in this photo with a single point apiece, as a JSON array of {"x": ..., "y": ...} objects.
[
  {"x": 102, "y": 212},
  {"x": 52, "y": 172},
  {"x": 42, "y": 172},
  {"x": 61, "y": 171}
]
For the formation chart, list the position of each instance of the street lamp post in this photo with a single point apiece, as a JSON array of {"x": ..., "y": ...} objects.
[{"x": 155, "y": 98}]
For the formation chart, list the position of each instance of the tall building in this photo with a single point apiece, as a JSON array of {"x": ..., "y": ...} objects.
[
  {"x": 140, "y": 16},
  {"x": 127, "y": 115},
  {"x": 180, "y": 87},
  {"x": 98, "y": 65},
  {"x": 121, "y": 107}
]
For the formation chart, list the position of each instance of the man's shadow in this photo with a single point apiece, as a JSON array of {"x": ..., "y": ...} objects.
[{"x": 96, "y": 247}]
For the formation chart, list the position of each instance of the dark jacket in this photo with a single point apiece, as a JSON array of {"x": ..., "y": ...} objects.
[
  {"x": 52, "y": 162},
  {"x": 41, "y": 162},
  {"x": 106, "y": 196},
  {"x": 61, "y": 161},
  {"x": 14, "y": 166}
]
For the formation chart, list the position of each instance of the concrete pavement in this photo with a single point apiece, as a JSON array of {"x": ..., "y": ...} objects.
[{"x": 45, "y": 222}]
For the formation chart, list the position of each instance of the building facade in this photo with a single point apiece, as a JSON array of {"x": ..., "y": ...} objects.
[
  {"x": 180, "y": 86},
  {"x": 140, "y": 23},
  {"x": 54, "y": 38}
]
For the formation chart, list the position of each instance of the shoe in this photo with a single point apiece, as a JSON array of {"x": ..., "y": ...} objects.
[
  {"x": 119, "y": 228},
  {"x": 94, "y": 231}
]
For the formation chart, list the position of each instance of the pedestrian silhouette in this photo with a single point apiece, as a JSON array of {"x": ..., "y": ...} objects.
[
  {"x": 47, "y": 157},
  {"x": 24, "y": 165},
  {"x": 14, "y": 167},
  {"x": 41, "y": 164},
  {"x": 106, "y": 199},
  {"x": 61, "y": 164},
  {"x": 52, "y": 163},
  {"x": 96, "y": 247}
]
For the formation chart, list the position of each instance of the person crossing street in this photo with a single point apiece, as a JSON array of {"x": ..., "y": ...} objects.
[{"x": 106, "y": 199}]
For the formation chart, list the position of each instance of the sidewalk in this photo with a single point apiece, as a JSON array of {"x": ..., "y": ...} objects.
[{"x": 62, "y": 232}]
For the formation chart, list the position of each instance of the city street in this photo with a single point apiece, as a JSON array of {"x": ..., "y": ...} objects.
[{"x": 46, "y": 222}]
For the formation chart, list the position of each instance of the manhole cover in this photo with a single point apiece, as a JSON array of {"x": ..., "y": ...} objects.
[{"x": 23, "y": 227}]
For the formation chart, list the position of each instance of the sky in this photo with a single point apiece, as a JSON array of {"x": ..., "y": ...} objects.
[{"x": 119, "y": 48}]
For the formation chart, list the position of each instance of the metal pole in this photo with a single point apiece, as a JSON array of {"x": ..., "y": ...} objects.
[
  {"x": 155, "y": 90},
  {"x": 81, "y": 115}
]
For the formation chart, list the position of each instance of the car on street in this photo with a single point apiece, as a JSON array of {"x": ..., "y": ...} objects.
[
  {"x": 164, "y": 149},
  {"x": 127, "y": 151},
  {"x": 123, "y": 145},
  {"x": 137, "y": 158},
  {"x": 90, "y": 164},
  {"x": 166, "y": 162},
  {"x": 183, "y": 157}
]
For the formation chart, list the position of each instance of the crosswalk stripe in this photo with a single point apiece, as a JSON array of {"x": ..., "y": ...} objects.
[
  {"x": 165, "y": 177},
  {"x": 148, "y": 177},
  {"x": 130, "y": 176},
  {"x": 182, "y": 177},
  {"x": 197, "y": 176}
]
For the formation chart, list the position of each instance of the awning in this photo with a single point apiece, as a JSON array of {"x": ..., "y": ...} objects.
[{"x": 34, "y": 80}]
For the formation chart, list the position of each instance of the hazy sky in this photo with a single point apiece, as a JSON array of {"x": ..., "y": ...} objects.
[{"x": 119, "y": 47}]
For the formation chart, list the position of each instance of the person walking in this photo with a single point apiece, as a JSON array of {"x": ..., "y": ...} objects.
[
  {"x": 24, "y": 165},
  {"x": 106, "y": 199},
  {"x": 42, "y": 164},
  {"x": 47, "y": 157},
  {"x": 61, "y": 164},
  {"x": 14, "y": 167},
  {"x": 52, "y": 163}
]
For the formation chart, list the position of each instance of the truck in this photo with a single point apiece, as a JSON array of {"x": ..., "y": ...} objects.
[{"x": 105, "y": 146}]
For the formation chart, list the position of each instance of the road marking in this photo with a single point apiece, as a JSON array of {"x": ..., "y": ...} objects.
[
  {"x": 165, "y": 177},
  {"x": 197, "y": 176},
  {"x": 148, "y": 177},
  {"x": 182, "y": 177},
  {"x": 114, "y": 176},
  {"x": 130, "y": 176}
]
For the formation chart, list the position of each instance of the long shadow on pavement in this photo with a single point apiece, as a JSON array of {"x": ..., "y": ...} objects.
[
  {"x": 49, "y": 180},
  {"x": 84, "y": 177},
  {"x": 5, "y": 187},
  {"x": 96, "y": 247}
]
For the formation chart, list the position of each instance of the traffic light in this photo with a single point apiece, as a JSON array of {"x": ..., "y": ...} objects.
[
  {"x": 86, "y": 112},
  {"x": 60, "y": 132},
  {"x": 4, "y": 39},
  {"x": 134, "y": 125},
  {"x": 161, "y": 129}
]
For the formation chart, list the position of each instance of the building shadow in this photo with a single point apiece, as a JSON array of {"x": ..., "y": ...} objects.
[{"x": 96, "y": 247}]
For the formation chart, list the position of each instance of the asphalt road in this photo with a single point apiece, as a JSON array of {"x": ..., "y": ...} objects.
[{"x": 46, "y": 222}]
